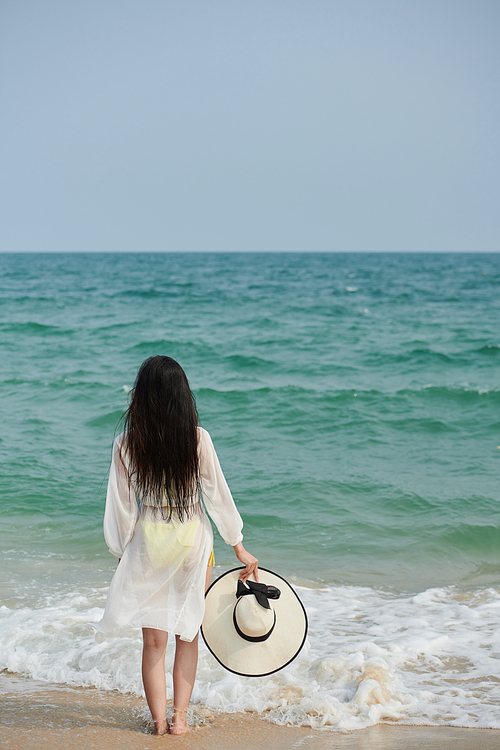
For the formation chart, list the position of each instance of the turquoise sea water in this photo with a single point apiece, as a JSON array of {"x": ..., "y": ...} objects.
[{"x": 353, "y": 400}]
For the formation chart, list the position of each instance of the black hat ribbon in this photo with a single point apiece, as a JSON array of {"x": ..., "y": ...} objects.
[{"x": 261, "y": 592}]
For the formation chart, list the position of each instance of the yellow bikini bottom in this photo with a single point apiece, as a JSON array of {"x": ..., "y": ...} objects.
[{"x": 170, "y": 543}]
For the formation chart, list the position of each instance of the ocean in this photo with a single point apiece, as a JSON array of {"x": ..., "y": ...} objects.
[{"x": 353, "y": 400}]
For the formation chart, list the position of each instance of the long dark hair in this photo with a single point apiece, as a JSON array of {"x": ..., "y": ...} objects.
[{"x": 161, "y": 440}]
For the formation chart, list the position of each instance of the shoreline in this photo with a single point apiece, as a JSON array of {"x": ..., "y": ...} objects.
[{"x": 37, "y": 715}]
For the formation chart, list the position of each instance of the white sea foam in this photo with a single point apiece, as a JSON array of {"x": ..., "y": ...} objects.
[{"x": 370, "y": 657}]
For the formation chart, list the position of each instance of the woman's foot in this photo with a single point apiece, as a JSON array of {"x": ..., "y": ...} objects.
[
  {"x": 161, "y": 727},
  {"x": 179, "y": 723}
]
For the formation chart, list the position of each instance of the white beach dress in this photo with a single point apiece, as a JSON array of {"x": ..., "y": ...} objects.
[{"x": 160, "y": 580}]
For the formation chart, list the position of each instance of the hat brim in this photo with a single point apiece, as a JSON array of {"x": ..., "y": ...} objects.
[{"x": 238, "y": 655}]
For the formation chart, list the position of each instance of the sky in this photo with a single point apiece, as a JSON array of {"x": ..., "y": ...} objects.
[{"x": 249, "y": 125}]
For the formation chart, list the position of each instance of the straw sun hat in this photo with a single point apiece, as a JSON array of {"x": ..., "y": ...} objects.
[{"x": 253, "y": 629}]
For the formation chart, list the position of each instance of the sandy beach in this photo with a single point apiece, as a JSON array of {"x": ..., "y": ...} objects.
[{"x": 37, "y": 716}]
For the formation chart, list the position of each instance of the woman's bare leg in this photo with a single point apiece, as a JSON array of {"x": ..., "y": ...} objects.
[
  {"x": 153, "y": 676},
  {"x": 208, "y": 577},
  {"x": 185, "y": 663}
]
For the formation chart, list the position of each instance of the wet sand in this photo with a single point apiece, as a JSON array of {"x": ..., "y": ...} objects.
[{"x": 35, "y": 716}]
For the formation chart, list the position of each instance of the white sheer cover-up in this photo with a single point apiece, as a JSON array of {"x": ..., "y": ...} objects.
[{"x": 160, "y": 580}]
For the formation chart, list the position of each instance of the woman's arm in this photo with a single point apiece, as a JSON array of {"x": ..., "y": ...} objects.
[
  {"x": 249, "y": 561},
  {"x": 120, "y": 515},
  {"x": 220, "y": 505},
  {"x": 216, "y": 494}
]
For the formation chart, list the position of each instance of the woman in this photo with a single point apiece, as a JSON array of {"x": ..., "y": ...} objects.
[{"x": 167, "y": 463}]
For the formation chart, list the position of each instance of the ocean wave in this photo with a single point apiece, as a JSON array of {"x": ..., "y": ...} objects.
[
  {"x": 370, "y": 657},
  {"x": 247, "y": 362},
  {"x": 31, "y": 328},
  {"x": 491, "y": 350},
  {"x": 174, "y": 290},
  {"x": 429, "y": 425},
  {"x": 169, "y": 346},
  {"x": 452, "y": 392},
  {"x": 109, "y": 419},
  {"x": 75, "y": 383},
  {"x": 474, "y": 538},
  {"x": 415, "y": 357},
  {"x": 329, "y": 395}
]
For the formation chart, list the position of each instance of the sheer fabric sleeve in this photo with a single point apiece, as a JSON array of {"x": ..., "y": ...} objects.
[
  {"x": 216, "y": 494},
  {"x": 120, "y": 515}
]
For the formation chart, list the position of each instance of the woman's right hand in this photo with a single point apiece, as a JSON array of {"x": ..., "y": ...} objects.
[{"x": 249, "y": 561}]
